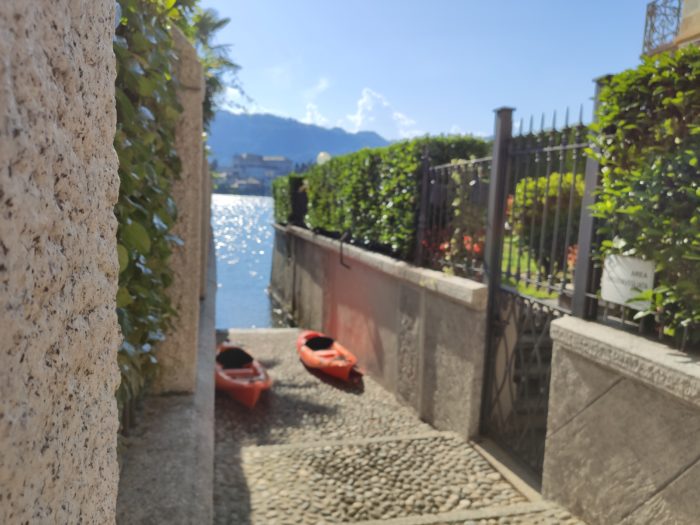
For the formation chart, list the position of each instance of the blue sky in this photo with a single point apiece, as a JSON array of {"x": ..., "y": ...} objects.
[{"x": 408, "y": 67}]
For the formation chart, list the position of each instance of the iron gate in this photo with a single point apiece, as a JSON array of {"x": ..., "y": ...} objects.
[{"x": 534, "y": 221}]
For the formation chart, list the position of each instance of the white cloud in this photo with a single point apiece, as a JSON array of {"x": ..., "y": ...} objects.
[
  {"x": 237, "y": 102},
  {"x": 231, "y": 99},
  {"x": 406, "y": 125},
  {"x": 322, "y": 85},
  {"x": 280, "y": 74},
  {"x": 456, "y": 130},
  {"x": 314, "y": 116},
  {"x": 365, "y": 107},
  {"x": 375, "y": 112}
]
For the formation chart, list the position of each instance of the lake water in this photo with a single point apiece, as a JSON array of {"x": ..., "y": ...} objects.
[{"x": 243, "y": 237}]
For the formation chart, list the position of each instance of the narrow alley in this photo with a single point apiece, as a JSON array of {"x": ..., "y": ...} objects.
[{"x": 315, "y": 451}]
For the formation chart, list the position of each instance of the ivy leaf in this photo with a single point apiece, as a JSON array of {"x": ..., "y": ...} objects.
[
  {"x": 123, "y": 297},
  {"x": 136, "y": 236},
  {"x": 123, "y": 255}
]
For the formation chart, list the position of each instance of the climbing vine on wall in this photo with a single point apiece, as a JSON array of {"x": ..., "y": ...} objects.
[{"x": 147, "y": 112}]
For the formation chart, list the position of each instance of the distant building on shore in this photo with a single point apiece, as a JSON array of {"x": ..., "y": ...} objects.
[{"x": 263, "y": 168}]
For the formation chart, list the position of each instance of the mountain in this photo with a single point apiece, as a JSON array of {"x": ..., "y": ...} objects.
[{"x": 264, "y": 134}]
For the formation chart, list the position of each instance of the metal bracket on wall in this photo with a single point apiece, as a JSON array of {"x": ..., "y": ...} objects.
[{"x": 343, "y": 239}]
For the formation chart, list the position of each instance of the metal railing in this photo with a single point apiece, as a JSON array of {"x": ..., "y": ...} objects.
[
  {"x": 662, "y": 25},
  {"x": 452, "y": 224},
  {"x": 544, "y": 189}
]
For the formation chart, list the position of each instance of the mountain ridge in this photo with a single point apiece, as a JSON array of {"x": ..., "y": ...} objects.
[{"x": 266, "y": 134}]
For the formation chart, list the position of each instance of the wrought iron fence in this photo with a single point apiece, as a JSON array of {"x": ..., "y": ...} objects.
[
  {"x": 662, "y": 24},
  {"x": 544, "y": 192},
  {"x": 452, "y": 223}
]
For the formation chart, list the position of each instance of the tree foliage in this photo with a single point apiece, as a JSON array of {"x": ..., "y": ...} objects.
[{"x": 648, "y": 141}]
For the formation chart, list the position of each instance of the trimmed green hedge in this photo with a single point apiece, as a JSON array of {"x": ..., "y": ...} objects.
[
  {"x": 648, "y": 142},
  {"x": 374, "y": 194},
  {"x": 282, "y": 199},
  {"x": 283, "y": 189},
  {"x": 532, "y": 194}
]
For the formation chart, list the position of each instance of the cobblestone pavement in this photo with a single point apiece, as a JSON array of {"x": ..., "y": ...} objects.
[{"x": 315, "y": 451}]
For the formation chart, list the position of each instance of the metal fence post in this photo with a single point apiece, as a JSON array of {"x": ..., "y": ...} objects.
[
  {"x": 495, "y": 226},
  {"x": 496, "y": 214},
  {"x": 423, "y": 209},
  {"x": 586, "y": 278}
]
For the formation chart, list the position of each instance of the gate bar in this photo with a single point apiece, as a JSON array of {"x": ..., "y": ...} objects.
[{"x": 495, "y": 222}]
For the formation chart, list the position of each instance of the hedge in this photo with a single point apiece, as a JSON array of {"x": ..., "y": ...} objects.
[
  {"x": 373, "y": 194},
  {"x": 648, "y": 141},
  {"x": 554, "y": 192},
  {"x": 283, "y": 189}
]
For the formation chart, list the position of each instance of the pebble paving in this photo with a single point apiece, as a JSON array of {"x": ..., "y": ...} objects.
[{"x": 315, "y": 451}]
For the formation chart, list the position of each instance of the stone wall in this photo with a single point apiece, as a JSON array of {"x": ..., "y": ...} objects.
[
  {"x": 58, "y": 262},
  {"x": 623, "y": 426},
  {"x": 689, "y": 31},
  {"x": 178, "y": 353},
  {"x": 206, "y": 226},
  {"x": 419, "y": 333}
]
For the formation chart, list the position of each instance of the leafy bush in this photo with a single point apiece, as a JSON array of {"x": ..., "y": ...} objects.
[
  {"x": 648, "y": 141},
  {"x": 374, "y": 194},
  {"x": 283, "y": 200},
  {"x": 285, "y": 191},
  {"x": 532, "y": 195}
]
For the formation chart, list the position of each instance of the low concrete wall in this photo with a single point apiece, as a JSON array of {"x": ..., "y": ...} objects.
[
  {"x": 420, "y": 333},
  {"x": 58, "y": 262},
  {"x": 623, "y": 433},
  {"x": 177, "y": 355}
]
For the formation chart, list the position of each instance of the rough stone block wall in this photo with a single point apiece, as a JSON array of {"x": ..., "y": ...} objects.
[
  {"x": 178, "y": 353},
  {"x": 622, "y": 429},
  {"x": 58, "y": 262}
]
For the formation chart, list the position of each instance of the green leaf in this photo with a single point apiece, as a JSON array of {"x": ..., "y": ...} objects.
[
  {"x": 123, "y": 255},
  {"x": 123, "y": 297},
  {"x": 136, "y": 236}
]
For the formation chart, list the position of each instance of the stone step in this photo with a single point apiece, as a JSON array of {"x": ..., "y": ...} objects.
[{"x": 359, "y": 480}]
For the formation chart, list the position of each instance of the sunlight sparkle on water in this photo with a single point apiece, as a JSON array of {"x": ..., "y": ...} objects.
[{"x": 243, "y": 239}]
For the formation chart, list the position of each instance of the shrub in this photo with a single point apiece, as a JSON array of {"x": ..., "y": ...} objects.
[
  {"x": 648, "y": 140},
  {"x": 286, "y": 194},
  {"x": 282, "y": 200},
  {"x": 532, "y": 195},
  {"x": 374, "y": 194}
]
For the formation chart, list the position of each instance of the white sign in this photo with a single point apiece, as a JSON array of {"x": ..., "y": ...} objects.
[{"x": 626, "y": 277}]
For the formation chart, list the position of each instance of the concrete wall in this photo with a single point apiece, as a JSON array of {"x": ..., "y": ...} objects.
[
  {"x": 623, "y": 441},
  {"x": 689, "y": 31},
  {"x": 178, "y": 353},
  {"x": 420, "y": 333},
  {"x": 58, "y": 262},
  {"x": 205, "y": 226}
]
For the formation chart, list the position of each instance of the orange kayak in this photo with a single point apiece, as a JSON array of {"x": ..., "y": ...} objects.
[
  {"x": 323, "y": 353},
  {"x": 239, "y": 375}
]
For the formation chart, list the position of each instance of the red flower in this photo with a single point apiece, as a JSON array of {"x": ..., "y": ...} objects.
[{"x": 571, "y": 256}]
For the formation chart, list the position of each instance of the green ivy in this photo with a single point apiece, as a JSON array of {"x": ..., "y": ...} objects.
[
  {"x": 648, "y": 141},
  {"x": 373, "y": 194},
  {"x": 147, "y": 113}
]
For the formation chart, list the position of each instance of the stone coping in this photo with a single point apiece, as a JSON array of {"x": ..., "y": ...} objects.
[
  {"x": 649, "y": 362},
  {"x": 464, "y": 291}
]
